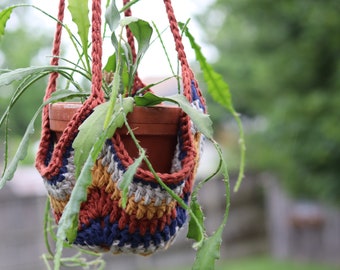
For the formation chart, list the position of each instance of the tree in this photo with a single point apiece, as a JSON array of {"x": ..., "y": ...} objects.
[
  {"x": 282, "y": 61},
  {"x": 20, "y": 48}
]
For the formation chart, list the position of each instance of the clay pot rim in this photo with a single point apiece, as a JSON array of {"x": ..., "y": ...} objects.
[
  {"x": 156, "y": 132},
  {"x": 143, "y": 119}
]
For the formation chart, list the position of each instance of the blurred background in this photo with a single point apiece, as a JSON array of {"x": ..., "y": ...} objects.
[{"x": 281, "y": 60}]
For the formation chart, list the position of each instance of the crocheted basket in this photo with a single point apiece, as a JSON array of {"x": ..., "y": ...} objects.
[{"x": 152, "y": 217}]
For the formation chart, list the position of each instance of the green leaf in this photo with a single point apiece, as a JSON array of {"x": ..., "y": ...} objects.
[
  {"x": 111, "y": 63},
  {"x": 89, "y": 132},
  {"x": 64, "y": 95},
  {"x": 9, "y": 76},
  {"x": 80, "y": 16},
  {"x": 194, "y": 231},
  {"x": 201, "y": 120},
  {"x": 127, "y": 20},
  {"x": 219, "y": 91},
  {"x": 216, "y": 86},
  {"x": 19, "y": 91},
  {"x": 128, "y": 177},
  {"x": 68, "y": 223},
  {"x": 209, "y": 252},
  {"x": 20, "y": 153},
  {"x": 23, "y": 146},
  {"x": 112, "y": 16},
  {"x": 5, "y": 14},
  {"x": 114, "y": 93},
  {"x": 148, "y": 99},
  {"x": 93, "y": 127},
  {"x": 142, "y": 31}
]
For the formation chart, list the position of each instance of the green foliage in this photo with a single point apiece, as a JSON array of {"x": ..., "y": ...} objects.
[
  {"x": 79, "y": 12},
  {"x": 5, "y": 14},
  {"x": 219, "y": 91},
  {"x": 68, "y": 223},
  {"x": 67, "y": 262},
  {"x": 265, "y": 263},
  {"x": 20, "y": 154},
  {"x": 142, "y": 31},
  {"x": 209, "y": 250},
  {"x": 22, "y": 149},
  {"x": 216, "y": 86},
  {"x": 194, "y": 230},
  {"x": 282, "y": 60},
  {"x": 112, "y": 16},
  {"x": 15, "y": 55},
  {"x": 109, "y": 116},
  {"x": 92, "y": 128},
  {"x": 128, "y": 177},
  {"x": 201, "y": 120}
]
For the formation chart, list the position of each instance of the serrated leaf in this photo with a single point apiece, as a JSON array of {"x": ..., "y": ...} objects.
[
  {"x": 80, "y": 16},
  {"x": 5, "y": 14},
  {"x": 89, "y": 132},
  {"x": 219, "y": 91},
  {"x": 194, "y": 232},
  {"x": 128, "y": 177},
  {"x": 216, "y": 86},
  {"x": 93, "y": 127},
  {"x": 209, "y": 252}
]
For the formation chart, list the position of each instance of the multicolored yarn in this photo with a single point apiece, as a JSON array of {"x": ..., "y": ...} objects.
[{"x": 152, "y": 218}]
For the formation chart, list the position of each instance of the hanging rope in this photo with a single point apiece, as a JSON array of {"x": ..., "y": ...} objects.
[{"x": 96, "y": 97}]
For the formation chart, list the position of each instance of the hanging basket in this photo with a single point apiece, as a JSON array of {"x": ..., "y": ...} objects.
[{"x": 152, "y": 217}]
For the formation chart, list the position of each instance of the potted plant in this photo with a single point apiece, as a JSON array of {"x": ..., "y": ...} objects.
[{"x": 108, "y": 188}]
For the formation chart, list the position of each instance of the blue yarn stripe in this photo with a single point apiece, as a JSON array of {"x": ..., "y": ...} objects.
[{"x": 97, "y": 235}]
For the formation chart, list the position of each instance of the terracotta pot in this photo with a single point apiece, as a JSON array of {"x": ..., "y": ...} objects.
[{"x": 155, "y": 128}]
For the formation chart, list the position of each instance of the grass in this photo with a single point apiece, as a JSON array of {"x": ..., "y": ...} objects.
[{"x": 266, "y": 263}]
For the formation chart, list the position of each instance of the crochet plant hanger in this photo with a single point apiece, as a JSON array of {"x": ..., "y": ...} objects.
[{"x": 152, "y": 217}]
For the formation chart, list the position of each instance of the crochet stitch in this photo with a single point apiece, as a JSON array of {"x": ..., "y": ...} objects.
[{"x": 151, "y": 219}]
